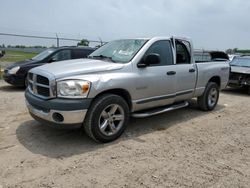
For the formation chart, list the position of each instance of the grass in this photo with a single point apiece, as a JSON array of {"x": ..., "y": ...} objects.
[{"x": 14, "y": 56}]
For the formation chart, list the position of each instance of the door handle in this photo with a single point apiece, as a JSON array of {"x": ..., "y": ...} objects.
[
  {"x": 171, "y": 73},
  {"x": 191, "y": 70}
]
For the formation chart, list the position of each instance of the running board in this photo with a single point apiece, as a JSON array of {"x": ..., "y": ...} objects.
[{"x": 159, "y": 110}]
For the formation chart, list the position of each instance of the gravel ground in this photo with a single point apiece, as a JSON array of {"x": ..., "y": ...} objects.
[{"x": 183, "y": 148}]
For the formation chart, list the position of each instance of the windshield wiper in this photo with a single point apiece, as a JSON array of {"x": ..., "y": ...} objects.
[{"x": 103, "y": 57}]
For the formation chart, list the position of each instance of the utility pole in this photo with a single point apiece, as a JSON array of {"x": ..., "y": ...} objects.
[
  {"x": 57, "y": 40},
  {"x": 100, "y": 40}
]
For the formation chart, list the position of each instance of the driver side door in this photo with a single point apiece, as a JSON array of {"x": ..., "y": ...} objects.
[{"x": 155, "y": 85}]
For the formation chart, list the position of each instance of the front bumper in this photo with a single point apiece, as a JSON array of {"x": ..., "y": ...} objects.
[
  {"x": 57, "y": 112},
  {"x": 239, "y": 80},
  {"x": 238, "y": 83}
]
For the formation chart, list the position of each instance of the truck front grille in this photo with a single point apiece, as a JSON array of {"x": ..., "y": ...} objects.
[
  {"x": 43, "y": 91},
  {"x": 41, "y": 86},
  {"x": 42, "y": 80}
]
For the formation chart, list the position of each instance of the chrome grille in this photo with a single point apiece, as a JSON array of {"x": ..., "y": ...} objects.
[
  {"x": 42, "y": 80},
  {"x": 41, "y": 86}
]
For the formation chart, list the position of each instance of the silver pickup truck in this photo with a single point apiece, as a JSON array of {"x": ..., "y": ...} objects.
[{"x": 131, "y": 77}]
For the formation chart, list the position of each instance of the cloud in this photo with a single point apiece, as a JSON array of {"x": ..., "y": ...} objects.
[{"x": 211, "y": 24}]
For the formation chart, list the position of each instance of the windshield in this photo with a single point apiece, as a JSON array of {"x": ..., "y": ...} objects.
[
  {"x": 242, "y": 62},
  {"x": 43, "y": 54},
  {"x": 120, "y": 50}
]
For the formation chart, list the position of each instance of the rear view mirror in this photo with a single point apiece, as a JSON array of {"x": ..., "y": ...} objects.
[{"x": 150, "y": 59}]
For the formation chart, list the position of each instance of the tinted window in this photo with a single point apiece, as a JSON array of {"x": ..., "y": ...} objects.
[
  {"x": 43, "y": 54},
  {"x": 81, "y": 53},
  {"x": 62, "y": 55},
  {"x": 182, "y": 54},
  {"x": 164, "y": 50}
]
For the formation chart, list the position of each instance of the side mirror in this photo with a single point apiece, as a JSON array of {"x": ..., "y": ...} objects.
[{"x": 150, "y": 59}]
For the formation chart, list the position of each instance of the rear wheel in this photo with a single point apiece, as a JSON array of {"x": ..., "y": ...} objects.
[
  {"x": 248, "y": 91},
  {"x": 107, "y": 118},
  {"x": 210, "y": 97}
]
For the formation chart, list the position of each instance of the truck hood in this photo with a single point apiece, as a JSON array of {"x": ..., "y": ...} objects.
[
  {"x": 243, "y": 70},
  {"x": 77, "y": 67}
]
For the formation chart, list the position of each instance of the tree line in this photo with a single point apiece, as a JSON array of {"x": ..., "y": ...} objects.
[
  {"x": 236, "y": 50},
  {"x": 83, "y": 42}
]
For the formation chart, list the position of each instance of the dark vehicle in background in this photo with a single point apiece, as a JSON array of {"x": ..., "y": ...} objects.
[
  {"x": 16, "y": 73},
  {"x": 207, "y": 56},
  {"x": 2, "y": 53},
  {"x": 240, "y": 72}
]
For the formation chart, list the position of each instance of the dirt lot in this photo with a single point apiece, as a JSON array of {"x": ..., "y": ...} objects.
[{"x": 183, "y": 148}]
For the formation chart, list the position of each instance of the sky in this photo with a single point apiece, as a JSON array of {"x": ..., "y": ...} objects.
[{"x": 211, "y": 24}]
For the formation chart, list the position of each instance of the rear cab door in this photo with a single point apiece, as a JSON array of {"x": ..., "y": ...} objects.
[{"x": 185, "y": 69}]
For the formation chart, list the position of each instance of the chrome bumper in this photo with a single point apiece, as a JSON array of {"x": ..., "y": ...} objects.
[{"x": 69, "y": 117}]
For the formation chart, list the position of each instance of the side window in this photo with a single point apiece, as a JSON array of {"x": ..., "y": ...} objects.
[
  {"x": 164, "y": 49},
  {"x": 62, "y": 55},
  {"x": 182, "y": 53}
]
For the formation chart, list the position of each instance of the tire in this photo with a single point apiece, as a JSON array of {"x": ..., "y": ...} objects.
[
  {"x": 107, "y": 118},
  {"x": 248, "y": 91},
  {"x": 210, "y": 97}
]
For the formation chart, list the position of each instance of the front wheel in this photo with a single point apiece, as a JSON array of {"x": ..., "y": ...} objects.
[
  {"x": 107, "y": 118},
  {"x": 210, "y": 97}
]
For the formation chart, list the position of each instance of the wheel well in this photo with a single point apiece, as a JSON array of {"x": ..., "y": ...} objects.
[
  {"x": 215, "y": 79},
  {"x": 121, "y": 92}
]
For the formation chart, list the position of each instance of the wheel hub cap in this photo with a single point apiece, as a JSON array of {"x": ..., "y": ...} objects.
[
  {"x": 212, "y": 97},
  {"x": 111, "y": 119}
]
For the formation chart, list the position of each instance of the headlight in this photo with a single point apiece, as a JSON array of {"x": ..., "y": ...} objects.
[
  {"x": 73, "y": 88},
  {"x": 14, "y": 70}
]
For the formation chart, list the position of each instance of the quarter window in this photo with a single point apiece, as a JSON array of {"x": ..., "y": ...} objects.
[{"x": 182, "y": 54}]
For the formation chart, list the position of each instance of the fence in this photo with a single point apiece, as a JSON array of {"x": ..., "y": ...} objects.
[{"x": 57, "y": 39}]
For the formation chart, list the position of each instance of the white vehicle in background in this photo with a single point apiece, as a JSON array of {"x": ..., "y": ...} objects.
[
  {"x": 232, "y": 56},
  {"x": 240, "y": 72}
]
